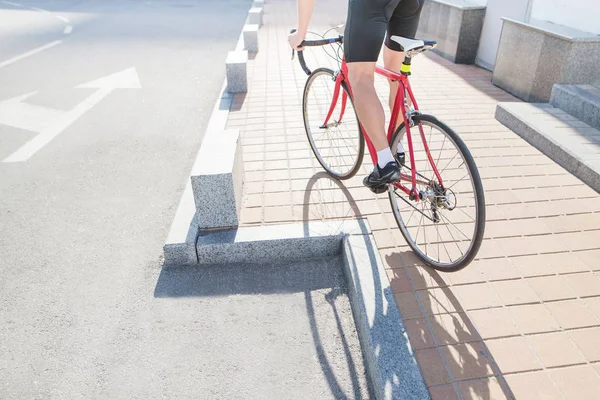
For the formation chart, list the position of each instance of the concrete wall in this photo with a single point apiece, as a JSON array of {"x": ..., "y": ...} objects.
[
  {"x": 455, "y": 25},
  {"x": 581, "y": 14},
  {"x": 533, "y": 58}
]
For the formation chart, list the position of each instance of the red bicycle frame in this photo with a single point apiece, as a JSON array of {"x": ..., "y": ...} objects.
[{"x": 399, "y": 104}]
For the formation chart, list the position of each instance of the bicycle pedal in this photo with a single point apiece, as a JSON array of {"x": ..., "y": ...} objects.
[{"x": 379, "y": 189}]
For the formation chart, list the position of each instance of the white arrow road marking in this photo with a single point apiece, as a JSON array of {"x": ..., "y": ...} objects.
[
  {"x": 16, "y": 113},
  {"x": 127, "y": 79}
]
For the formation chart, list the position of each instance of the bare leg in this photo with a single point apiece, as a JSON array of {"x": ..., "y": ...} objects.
[
  {"x": 367, "y": 104},
  {"x": 392, "y": 60},
  {"x": 370, "y": 113}
]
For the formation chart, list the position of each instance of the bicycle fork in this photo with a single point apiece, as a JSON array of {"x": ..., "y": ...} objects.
[{"x": 334, "y": 100}]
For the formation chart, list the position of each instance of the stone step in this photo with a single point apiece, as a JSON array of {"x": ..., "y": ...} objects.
[
  {"x": 581, "y": 101},
  {"x": 571, "y": 143}
]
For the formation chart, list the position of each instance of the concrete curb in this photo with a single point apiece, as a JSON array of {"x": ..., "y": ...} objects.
[
  {"x": 558, "y": 150},
  {"x": 180, "y": 245},
  {"x": 581, "y": 101},
  {"x": 274, "y": 243}
]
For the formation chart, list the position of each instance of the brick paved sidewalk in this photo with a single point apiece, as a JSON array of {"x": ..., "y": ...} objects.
[{"x": 524, "y": 319}]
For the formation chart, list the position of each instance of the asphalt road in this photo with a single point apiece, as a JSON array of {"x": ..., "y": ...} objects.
[
  {"x": 83, "y": 219},
  {"x": 103, "y": 105}
]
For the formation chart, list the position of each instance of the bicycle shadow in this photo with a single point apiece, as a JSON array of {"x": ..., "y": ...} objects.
[
  {"x": 462, "y": 352},
  {"x": 383, "y": 303},
  {"x": 442, "y": 316}
]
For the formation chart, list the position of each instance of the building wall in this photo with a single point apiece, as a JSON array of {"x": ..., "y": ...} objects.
[{"x": 579, "y": 14}]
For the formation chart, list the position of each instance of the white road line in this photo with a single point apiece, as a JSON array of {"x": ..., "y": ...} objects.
[
  {"x": 68, "y": 28},
  {"x": 29, "y": 53}
]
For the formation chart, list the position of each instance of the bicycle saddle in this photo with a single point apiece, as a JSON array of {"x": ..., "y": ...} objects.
[{"x": 415, "y": 45}]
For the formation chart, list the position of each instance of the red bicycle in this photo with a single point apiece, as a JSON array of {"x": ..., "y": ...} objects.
[{"x": 438, "y": 203}]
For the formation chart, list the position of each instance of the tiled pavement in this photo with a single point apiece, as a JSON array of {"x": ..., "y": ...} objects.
[{"x": 523, "y": 320}]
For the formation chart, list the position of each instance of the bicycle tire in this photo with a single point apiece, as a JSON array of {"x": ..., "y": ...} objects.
[
  {"x": 478, "y": 195},
  {"x": 356, "y": 160}
]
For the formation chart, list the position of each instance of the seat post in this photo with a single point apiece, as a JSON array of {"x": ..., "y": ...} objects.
[{"x": 405, "y": 69}]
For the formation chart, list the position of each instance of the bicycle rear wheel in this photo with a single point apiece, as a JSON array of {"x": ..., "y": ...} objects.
[
  {"x": 339, "y": 146},
  {"x": 445, "y": 228}
]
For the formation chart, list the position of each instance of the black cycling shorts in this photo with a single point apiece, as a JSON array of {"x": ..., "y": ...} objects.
[{"x": 369, "y": 21}]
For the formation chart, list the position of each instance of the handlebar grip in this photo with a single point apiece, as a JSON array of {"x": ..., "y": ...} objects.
[
  {"x": 301, "y": 56},
  {"x": 303, "y": 63}
]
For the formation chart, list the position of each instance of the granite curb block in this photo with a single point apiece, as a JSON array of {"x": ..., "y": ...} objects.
[
  {"x": 217, "y": 180},
  {"x": 274, "y": 243},
  {"x": 391, "y": 365},
  {"x": 251, "y": 38},
  {"x": 236, "y": 71},
  {"x": 255, "y": 16},
  {"x": 588, "y": 170},
  {"x": 180, "y": 246}
]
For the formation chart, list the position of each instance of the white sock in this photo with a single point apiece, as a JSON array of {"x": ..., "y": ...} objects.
[{"x": 384, "y": 157}]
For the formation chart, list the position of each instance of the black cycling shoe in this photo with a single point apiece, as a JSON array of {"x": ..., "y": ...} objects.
[{"x": 378, "y": 180}]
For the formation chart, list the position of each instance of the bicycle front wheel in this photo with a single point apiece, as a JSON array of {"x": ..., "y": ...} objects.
[
  {"x": 445, "y": 227},
  {"x": 337, "y": 142}
]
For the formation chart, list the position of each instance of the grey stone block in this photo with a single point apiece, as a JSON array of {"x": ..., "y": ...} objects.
[
  {"x": 581, "y": 101},
  {"x": 255, "y": 16},
  {"x": 274, "y": 243},
  {"x": 180, "y": 246},
  {"x": 456, "y": 25},
  {"x": 563, "y": 144},
  {"x": 251, "y": 38},
  {"x": 533, "y": 57},
  {"x": 217, "y": 180},
  {"x": 236, "y": 69},
  {"x": 389, "y": 358}
]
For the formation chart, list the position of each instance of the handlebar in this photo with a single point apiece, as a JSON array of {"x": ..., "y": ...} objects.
[{"x": 313, "y": 43}]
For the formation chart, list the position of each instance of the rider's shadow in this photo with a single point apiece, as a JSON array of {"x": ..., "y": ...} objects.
[{"x": 437, "y": 313}]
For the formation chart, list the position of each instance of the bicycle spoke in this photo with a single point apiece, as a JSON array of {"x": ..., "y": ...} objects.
[
  {"x": 454, "y": 239},
  {"x": 463, "y": 211},
  {"x": 422, "y": 232},
  {"x": 452, "y": 159},
  {"x": 456, "y": 227},
  {"x": 467, "y": 174},
  {"x": 337, "y": 146}
]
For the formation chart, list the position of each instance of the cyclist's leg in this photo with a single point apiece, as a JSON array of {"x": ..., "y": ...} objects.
[
  {"x": 366, "y": 102},
  {"x": 364, "y": 32},
  {"x": 392, "y": 60},
  {"x": 403, "y": 22}
]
